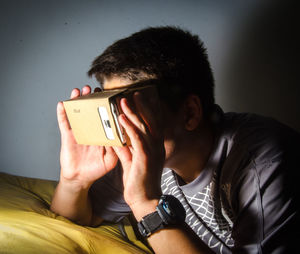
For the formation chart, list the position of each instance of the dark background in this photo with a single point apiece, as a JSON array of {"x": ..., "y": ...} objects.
[{"x": 47, "y": 47}]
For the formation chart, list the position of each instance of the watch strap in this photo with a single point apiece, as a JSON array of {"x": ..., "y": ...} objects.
[{"x": 150, "y": 224}]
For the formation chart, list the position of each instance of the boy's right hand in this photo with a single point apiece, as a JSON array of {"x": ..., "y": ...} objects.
[{"x": 81, "y": 164}]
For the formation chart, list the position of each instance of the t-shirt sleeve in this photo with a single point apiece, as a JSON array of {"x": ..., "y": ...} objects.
[
  {"x": 266, "y": 201},
  {"x": 107, "y": 199}
]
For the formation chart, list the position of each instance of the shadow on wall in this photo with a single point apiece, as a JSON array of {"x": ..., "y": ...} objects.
[{"x": 263, "y": 73}]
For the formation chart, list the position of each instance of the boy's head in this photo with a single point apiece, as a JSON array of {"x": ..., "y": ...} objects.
[{"x": 173, "y": 58}]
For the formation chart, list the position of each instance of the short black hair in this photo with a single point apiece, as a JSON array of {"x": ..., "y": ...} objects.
[{"x": 168, "y": 54}]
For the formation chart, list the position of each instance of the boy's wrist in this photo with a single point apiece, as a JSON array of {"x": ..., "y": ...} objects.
[
  {"x": 74, "y": 186},
  {"x": 144, "y": 208}
]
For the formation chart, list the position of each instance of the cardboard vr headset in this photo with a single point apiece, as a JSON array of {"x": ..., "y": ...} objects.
[{"x": 94, "y": 117}]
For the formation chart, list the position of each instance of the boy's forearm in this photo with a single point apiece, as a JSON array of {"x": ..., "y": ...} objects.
[
  {"x": 177, "y": 239},
  {"x": 72, "y": 201}
]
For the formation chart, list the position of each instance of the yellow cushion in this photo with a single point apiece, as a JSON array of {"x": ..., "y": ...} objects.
[{"x": 27, "y": 225}]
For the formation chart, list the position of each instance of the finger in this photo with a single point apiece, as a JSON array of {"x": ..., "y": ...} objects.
[
  {"x": 109, "y": 153},
  {"x": 108, "y": 157},
  {"x": 137, "y": 141},
  {"x": 86, "y": 90},
  {"x": 75, "y": 93},
  {"x": 97, "y": 90},
  {"x": 125, "y": 156},
  {"x": 109, "y": 150},
  {"x": 132, "y": 116},
  {"x": 146, "y": 113},
  {"x": 62, "y": 119}
]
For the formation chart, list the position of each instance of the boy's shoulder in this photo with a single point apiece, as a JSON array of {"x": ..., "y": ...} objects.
[{"x": 257, "y": 135}]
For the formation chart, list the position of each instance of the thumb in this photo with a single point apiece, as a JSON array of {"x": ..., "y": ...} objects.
[
  {"x": 124, "y": 155},
  {"x": 62, "y": 118}
]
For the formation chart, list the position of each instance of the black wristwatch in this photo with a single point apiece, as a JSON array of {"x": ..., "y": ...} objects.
[{"x": 168, "y": 212}]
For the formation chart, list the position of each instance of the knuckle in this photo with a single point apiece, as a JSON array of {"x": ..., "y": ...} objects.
[
  {"x": 136, "y": 136},
  {"x": 143, "y": 128}
]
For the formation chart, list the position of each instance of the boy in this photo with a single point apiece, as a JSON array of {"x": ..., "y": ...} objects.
[{"x": 233, "y": 175}]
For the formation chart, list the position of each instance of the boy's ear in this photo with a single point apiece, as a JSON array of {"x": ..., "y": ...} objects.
[{"x": 193, "y": 112}]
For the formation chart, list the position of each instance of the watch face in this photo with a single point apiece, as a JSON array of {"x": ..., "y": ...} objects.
[
  {"x": 172, "y": 209},
  {"x": 167, "y": 209}
]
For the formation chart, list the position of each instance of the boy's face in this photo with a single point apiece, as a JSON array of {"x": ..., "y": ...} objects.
[{"x": 171, "y": 122}]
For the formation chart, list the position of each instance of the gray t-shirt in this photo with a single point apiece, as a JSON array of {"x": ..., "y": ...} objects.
[{"x": 245, "y": 200}]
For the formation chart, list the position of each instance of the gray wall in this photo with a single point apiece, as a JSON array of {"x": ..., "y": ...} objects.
[{"x": 47, "y": 47}]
